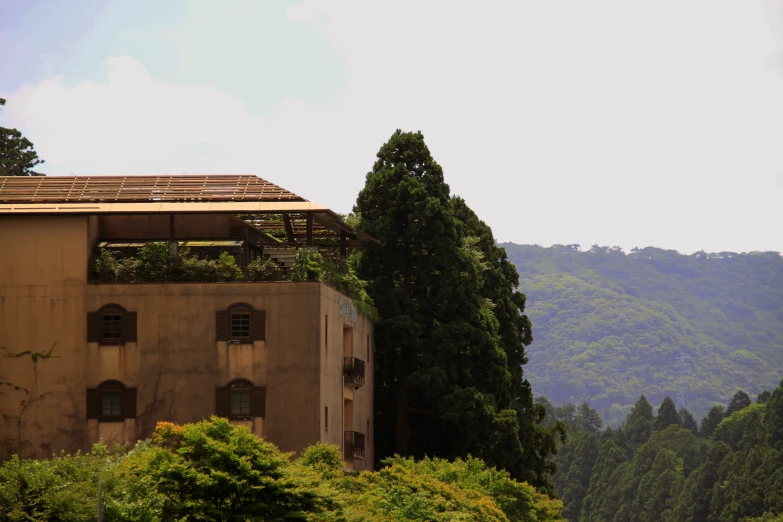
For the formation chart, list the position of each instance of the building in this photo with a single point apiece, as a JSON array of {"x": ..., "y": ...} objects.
[{"x": 291, "y": 360}]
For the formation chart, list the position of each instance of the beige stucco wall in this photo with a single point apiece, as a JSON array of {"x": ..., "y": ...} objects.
[
  {"x": 332, "y": 391},
  {"x": 175, "y": 363},
  {"x": 43, "y": 272}
]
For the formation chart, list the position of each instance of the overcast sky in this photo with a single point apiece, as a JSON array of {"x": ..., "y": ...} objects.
[{"x": 611, "y": 122}]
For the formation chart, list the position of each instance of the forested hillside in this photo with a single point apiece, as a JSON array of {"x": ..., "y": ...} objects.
[
  {"x": 665, "y": 467},
  {"x": 610, "y": 326}
]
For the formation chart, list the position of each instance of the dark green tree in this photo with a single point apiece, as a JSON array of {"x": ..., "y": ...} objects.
[
  {"x": 739, "y": 401},
  {"x": 763, "y": 397},
  {"x": 639, "y": 424},
  {"x": 575, "y": 462},
  {"x": 588, "y": 419},
  {"x": 711, "y": 421},
  {"x": 17, "y": 156},
  {"x": 773, "y": 418},
  {"x": 605, "y": 491},
  {"x": 688, "y": 422},
  {"x": 451, "y": 335},
  {"x": 693, "y": 503},
  {"x": 667, "y": 415}
]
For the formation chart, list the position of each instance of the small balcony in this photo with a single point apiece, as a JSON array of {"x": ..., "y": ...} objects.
[
  {"x": 353, "y": 447},
  {"x": 353, "y": 371}
]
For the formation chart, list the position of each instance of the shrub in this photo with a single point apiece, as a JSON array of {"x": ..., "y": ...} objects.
[
  {"x": 308, "y": 266},
  {"x": 264, "y": 270}
]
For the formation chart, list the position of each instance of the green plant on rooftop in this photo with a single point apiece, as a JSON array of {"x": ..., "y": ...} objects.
[
  {"x": 264, "y": 270},
  {"x": 155, "y": 263}
]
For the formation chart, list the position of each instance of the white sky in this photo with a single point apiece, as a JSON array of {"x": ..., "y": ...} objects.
[{"x": 611, "y": 122}]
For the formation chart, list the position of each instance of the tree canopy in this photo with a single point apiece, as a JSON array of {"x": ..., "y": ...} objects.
[
  {"x": 17, "y": 156},
  {"x": 649, "y": 471},
  {"x": 213, "y": 471},
  {"x": 450, "y": 341},
  {"x": 610, "y": 325}
]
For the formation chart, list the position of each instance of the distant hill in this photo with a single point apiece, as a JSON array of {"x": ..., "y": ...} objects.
[{"x": 609, "y": 326}]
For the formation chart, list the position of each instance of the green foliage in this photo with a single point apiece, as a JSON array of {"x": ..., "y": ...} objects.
[
  {"x": 610, "y": 326},
  {"x": 17, "y": 156},
  {"x": 264, "y": 270},
  {"x": 730, "y": 472},
  {"x": 711, "y": 421},
  {"x": 64, "y": 487},
  {"x": 451, "y": 334},
  {"x": 638, "y": 426},
  {"x": 688, "y": 422},
  {"x": 739, "y": 401},
  {"x": 308, "y": 266},
  {"x": 667, "y": 415},
  {"x": 213, "y": 471}
]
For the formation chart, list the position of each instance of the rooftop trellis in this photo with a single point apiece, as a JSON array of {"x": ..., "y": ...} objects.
[{"x": 137, "y": 189}]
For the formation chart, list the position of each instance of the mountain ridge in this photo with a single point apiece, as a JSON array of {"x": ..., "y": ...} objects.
[{"x": 609, "y": 326}]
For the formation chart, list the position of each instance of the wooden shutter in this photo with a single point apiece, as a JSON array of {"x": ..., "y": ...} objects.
[
  {"x": 223, "y": 402},
  {"x": 129, "y": 327},
  {"x": 258, "y": 325},
  {"x": 128, "y": 399},
  {"x": 93, "y": 403},
  {"x": 258, "y": 401},
  {"x": 94, "y": 327},
  {"x": 223, "y": 325}
]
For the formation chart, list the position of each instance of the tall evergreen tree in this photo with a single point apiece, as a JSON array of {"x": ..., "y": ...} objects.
[
  {"x": 688, "y": 422},
  {"x": 450, "y": 339},
  {"x": 639, "y": 424},
  {"x": 711, "y": 421},
  {"x": 17, "y": 156},
  {"x": 739, "y": 401},
  {"x": 667, "y": 415}
]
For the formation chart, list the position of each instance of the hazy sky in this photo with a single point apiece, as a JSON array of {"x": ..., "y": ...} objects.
[{"x": 611, "y": 122}]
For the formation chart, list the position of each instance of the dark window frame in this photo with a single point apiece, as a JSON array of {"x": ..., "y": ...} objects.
[
  {"x": 227, "y": 330},
  {"x": 96, "y": 401},
  {"x": 224, "y": 400},
  {"x": 111, "y": 324}
]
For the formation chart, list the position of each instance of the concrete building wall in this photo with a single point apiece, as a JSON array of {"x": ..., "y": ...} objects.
[
  {"x": 175, "y": 363},
  {"x": 43, "y": 272},
  {"x": 344, "y": 338}
]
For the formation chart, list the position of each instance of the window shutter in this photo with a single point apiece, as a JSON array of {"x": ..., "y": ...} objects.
[
  {"x": 94, "y": 327},
  {"x": 129, "y": 403},
  {"x": 258, "y": 401},
  {"x": 223, "y": 325},
  {"x": 93, "y": 403},
  {"x": 223, "y": 402},
  {"x": 129, "y": 326},
  {"x": 258, "y": 325}
]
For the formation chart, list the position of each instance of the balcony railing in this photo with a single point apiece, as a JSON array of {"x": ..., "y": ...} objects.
[
  {"x": 353, "y": 447},
  {"x": 353, "y": 371}
]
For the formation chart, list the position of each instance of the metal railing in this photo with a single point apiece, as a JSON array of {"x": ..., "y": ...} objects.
[
  {"x": 353, "y": 371},
  {"x": 353, "y": 445}
]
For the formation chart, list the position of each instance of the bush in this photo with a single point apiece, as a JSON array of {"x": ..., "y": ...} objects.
[
  {"x": 264, "y": 270},
  {"x": 308, "y": 266}
]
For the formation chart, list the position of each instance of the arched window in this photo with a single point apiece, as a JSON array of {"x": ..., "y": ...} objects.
[
  {"x": 111, "y": 401},
  {"x": 240, "y": 399},
  {"x": 111, "y": 324},
  {"x": 240, "y": 323}
]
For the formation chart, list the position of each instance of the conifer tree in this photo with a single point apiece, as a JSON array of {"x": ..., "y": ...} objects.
[
  {"x": 639, "y": 424},
  {"x": 739, "y": 401},
  {"x": 451, "y": 336},
  {"x": 688, "y": 422},
  {"x": 667, "y": 415},
  {"x": 711, "y": 421}
]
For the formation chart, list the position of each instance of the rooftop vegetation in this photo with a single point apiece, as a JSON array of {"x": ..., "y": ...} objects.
[{"x": 156, "y": 263}]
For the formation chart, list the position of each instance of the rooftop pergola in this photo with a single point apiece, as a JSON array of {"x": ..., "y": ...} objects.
[{"x": 271, "y": 206}]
